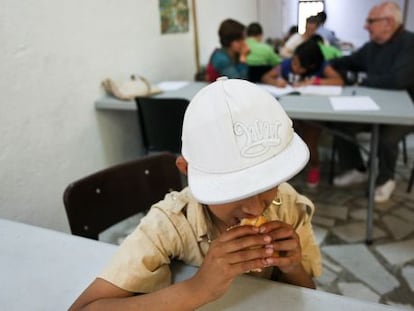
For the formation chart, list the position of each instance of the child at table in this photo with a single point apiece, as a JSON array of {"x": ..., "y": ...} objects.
[
  {"x": 238, "y": 149},
  {"x": 230, "y": 59},
  {"x": 306, "y": 67}
]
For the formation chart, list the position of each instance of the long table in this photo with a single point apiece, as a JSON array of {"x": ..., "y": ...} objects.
[
  {"x": 396, "y": 107},
  {"x": 42, "y": 269}
]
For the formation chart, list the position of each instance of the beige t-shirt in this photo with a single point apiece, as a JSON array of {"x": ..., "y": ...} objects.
[{"x": 178, "y": 228}]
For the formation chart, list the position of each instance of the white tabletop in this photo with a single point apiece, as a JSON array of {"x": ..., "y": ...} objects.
[{"x": 42, "y": 269}]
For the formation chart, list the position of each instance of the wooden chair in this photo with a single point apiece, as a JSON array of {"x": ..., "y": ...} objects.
[
  {"x": 161, "y": 121},
  {"x": 98, "y": 201}
]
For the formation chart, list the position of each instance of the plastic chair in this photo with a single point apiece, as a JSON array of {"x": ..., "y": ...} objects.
[
  {"x": 98, "y": 201},
  {"x": 161, "y": 121}
]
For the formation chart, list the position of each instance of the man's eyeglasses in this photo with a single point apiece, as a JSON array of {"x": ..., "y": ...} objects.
[{"x": 370, "y": 21}]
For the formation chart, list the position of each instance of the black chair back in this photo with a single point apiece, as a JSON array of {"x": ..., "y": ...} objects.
[
  {"x": 256, "y": 72},
  {"x": 161, "y": 121}
]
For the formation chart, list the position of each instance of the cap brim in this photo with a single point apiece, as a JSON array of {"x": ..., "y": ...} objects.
[{"x": 229, "y": 187}]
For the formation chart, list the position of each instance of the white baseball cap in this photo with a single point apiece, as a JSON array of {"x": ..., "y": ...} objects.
[{"x": 238, "y": 142}]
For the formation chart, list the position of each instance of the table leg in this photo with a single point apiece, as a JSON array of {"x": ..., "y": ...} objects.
[{"x": 372, "y": 177}]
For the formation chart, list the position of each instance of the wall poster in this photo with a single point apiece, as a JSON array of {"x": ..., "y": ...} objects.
[{"x": 174, "y": 15}]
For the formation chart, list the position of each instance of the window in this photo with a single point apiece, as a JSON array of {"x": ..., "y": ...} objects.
[{"x": 306, "y": 9}]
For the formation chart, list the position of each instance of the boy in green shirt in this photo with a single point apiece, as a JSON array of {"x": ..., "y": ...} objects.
[{"x": 261, "y": 57}]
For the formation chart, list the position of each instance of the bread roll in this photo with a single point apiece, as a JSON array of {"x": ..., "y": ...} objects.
[{"x": 255, "y": 221}]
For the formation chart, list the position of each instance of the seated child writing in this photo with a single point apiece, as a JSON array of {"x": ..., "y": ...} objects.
[
  {"x": 306, "y": 67},
  {"x": 238, "y": 149}
]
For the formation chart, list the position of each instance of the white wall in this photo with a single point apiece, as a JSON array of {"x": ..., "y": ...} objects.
[
  {"x": 53, "y": 56},
  {"x": 270, "y": 15},
  {"x": 410, "y": 15}
]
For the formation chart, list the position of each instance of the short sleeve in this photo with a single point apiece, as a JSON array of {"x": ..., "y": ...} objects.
[{"x": 141, "y": 264}]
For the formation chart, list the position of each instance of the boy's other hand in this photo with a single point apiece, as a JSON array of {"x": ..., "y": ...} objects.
[{"x": 286, "y": 243}]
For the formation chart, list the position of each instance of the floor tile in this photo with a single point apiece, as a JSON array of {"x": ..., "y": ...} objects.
[
  {"x": 398, "y": 227},
  {"x": 327, "y": 277},
  {"x": 404, "y": 195},
  {"x": 332, "y": 211},
  {"x": 405, "y": 214},
  {"x": 361, "y": 214},
  {"x": 359, "y": 291},
  {"x": 331, "y": 266},
  {"x": 400, "y": 306},
  {"x": 323, "y": 221},
  {"x": 320, "y": 234},
  {"x": 408, "y": 275},
  {"x": 365, "y": 266},
  {"x": 356, "y": 232},
  {"x": 397, "y": 253},
  {"x": 339, "y": 197}
]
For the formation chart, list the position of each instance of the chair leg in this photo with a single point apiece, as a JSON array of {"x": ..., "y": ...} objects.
[
  {"x": 332, "y": 163},
  {"x": 404, "y": 145},
  {"x": 411, "y": 181}
]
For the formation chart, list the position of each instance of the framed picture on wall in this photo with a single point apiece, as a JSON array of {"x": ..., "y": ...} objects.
[{"x": 174, "y": 16}]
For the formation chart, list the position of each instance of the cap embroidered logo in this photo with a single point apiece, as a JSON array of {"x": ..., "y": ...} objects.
[{"x": 257, "y": 138}]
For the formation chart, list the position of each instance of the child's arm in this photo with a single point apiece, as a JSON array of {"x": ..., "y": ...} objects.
[
  {"x": 286, "y": 242},
  {"x": 228, "y": 256},
  {"x": 330, "y": 77},
  {"x": 102, "y": 295},
  {"x": 273, "y": 77}
]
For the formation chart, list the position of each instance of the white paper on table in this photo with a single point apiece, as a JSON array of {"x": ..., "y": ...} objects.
[
  {"x": 306, "y": 90},
  {"x": 329, "y": 90},
  {"x": 355, "y": 103},
  {"x": 277, "y": 91},
  {"x": 172, "y": 85}
]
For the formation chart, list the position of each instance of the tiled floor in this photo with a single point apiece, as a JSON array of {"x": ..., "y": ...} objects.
[{"x": 382, "y": 272}]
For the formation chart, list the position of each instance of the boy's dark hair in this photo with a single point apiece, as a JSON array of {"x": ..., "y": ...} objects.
[
  {"x": 229, "y": 31},
  {"x": 312, "y": 19},
  {"x": 317, "y": 38},
  {"x": 310, "y": 56},
  {"x": 254, "y": 29},
  {"x": 293, "y": 29},
  {"x": 321, "y": 17}
]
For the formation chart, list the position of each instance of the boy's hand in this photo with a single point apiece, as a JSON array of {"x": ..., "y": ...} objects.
[
  {"x": 280, "y": 82},
  {"x": 244, "y": 51},
  {"x": 286, "y": 243},
  {"x": 231, "y": 255}
]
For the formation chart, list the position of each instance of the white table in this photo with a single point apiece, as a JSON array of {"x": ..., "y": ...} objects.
[
  {"x": 396, "y": 107},
  {"x": 42, "y": 269}
]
